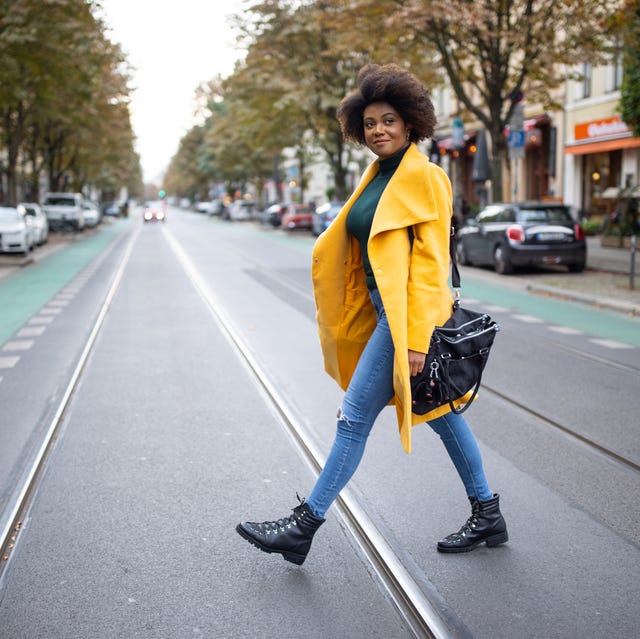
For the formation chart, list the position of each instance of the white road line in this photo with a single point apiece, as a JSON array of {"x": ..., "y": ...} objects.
[
  {"x": 565, "y": 330},
  {"x": 610, "y": 343},
  {"x": 8, "y": 362},
  {"x": 530, "y": 319},
  {"x": 31, "y": 331},
  {"x": 58, "y": 302},
  {"x": 18, "y": 345},
  {"x": 495, "y": 309},
  {"x": 40, "y": 320},
  {"x": 48, "y": 310}
]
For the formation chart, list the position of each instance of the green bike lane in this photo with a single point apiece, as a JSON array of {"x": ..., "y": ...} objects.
[
  {"x": 580, "y": 316},
  {"x": 24, "y": 292}
]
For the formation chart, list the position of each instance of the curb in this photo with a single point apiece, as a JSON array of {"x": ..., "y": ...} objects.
[{"x": 601, "y": 302}]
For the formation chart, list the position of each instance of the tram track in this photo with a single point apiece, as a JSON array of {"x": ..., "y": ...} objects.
[
  {"x": 404, "y": 588},
  {"x": 406, "y": 592},
  {"x": 15, "y": 514},
  {"x": 419, "y": 612}
]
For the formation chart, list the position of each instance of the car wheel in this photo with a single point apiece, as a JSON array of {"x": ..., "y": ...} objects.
[
  {"x": 461, "y": 254},
  {"x": 501, "y": 261},
  {"x": 577, "y": 268}
]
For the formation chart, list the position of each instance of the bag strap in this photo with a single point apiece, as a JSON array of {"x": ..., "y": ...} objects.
[{"x": 455, "y": 271}]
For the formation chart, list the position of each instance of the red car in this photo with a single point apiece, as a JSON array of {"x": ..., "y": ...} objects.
[
  {"x": 298, "y": 216},
  {"x": 154, "y": 214}
]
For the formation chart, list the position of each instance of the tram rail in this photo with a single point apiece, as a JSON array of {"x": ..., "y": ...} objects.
[{"x": 405, "y": 588}]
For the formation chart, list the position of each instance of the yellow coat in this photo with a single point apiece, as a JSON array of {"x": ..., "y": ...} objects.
[{"x": 412, "y": 280}]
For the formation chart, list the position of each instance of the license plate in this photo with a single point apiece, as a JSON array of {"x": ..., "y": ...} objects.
[{"x": 551, "y": 237}]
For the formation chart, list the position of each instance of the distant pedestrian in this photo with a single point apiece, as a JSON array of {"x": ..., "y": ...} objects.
[{"x": 379, "y": 295}]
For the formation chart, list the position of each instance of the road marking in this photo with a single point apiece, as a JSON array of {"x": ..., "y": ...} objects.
[
  {"x": 610, "y": 343},
  {"x": 31, "y": 331},
  {"x": 58, "y": 302},
  {"x": 18, "y": 345},
  {"x": 530, "y": 319},
  {"x": 41, "y": 320},
  {"x": 8, "y": 362},
  {"x": 48, "y": 310},
  {"x": 566, "y": 330},
  {"x": 495, "y": 309}
]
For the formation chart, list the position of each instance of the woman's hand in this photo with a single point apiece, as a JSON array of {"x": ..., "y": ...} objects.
[{"x": 416, "y": 362}]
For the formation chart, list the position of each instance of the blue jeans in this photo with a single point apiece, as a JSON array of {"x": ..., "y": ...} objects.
[{"x": 370, "y": 390}]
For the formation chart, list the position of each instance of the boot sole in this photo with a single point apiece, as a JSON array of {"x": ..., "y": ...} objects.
[
  {"x": 294, "y": 558},
  {"x": 494, "y": 540}
]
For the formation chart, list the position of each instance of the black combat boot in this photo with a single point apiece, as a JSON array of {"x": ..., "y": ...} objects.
[
  {"x": 291, "y": 536},
  {"x": 486, "y": 524}
]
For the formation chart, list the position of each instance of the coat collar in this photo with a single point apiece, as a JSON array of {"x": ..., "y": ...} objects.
[{"x": 408, "y": 198}]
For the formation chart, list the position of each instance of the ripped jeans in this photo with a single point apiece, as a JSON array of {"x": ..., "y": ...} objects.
[{"x": 370, "y": 390}]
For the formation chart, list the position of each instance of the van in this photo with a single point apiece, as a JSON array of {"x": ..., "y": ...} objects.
[{"x": 64, "y": 209}]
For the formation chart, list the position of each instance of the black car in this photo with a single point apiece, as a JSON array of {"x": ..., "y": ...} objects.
[{"x": 511, "y": 235}]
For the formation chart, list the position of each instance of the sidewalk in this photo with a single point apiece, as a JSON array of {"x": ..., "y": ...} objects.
[{"x": 605, "y": 283}]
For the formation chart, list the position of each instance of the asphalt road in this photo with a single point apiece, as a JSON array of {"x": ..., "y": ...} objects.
[{"x": 168, "y": 443}]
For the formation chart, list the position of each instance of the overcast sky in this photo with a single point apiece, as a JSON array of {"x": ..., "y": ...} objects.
[{"x": 173, "y": 47}]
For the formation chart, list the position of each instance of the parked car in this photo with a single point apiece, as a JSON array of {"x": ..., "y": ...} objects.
[
  {"x": 64, "y": 209},
  {"x": 38, "y": 221},
  {"x": 239, "y": 210},
  {"x": 324, "y": 215},
  {"x": 511, "y": 235},
  {"x": 273, "y": 214},
  {"x": 298, "y": 216},
  {"x": 92, "y": 215},
  {"x": 112, "y": 209},
  {"x": 210, "y": 207},
  {"x": 16, "y": 235}
]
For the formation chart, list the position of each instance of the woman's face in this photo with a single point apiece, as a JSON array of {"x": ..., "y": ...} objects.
[{"x": 385, "y": 132}]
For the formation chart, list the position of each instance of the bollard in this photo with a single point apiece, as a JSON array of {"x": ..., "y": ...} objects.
[{"x": 632, "y": 266}]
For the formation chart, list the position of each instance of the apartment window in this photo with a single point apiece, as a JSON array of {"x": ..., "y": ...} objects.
[{"x": 615, "y": 71}]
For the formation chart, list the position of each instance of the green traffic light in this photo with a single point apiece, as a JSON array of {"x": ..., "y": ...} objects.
[{"x": 162, "y": 193}]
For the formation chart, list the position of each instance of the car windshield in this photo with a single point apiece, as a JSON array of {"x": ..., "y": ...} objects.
[
  {"x": 546, "y": 214},
  {"x": 61, "y": 201},
  {"x": 10, "y": 215}
]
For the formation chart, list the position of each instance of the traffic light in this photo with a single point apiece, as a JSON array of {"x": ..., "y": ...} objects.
[{"x": 162, "y": 194}]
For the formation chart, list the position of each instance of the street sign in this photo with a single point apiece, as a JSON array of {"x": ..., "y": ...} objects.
[
  {"x": 457, "y": 133},
  {"x": 516, "y": 138}
]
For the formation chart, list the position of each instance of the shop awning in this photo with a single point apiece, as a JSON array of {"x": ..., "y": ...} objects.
[{"x": 603, "y": 145}]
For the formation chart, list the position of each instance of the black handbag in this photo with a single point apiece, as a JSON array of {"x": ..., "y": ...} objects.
[{"x": 457, "y": 355}]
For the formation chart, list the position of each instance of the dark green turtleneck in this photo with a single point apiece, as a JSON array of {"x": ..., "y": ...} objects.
[{"x": 360, "y": 217}]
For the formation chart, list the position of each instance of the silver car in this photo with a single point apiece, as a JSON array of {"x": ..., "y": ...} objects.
[
  {"x": 16, "y": 236},
  {"x": 36, "y": 218}
]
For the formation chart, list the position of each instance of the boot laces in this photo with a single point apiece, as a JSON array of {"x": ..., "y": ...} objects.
[
  {"x": 467, "y": 527},
  {"x": 280, "y": 525}
]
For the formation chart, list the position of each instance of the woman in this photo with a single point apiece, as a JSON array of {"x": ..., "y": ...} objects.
[{"x": 380, "y": 276}]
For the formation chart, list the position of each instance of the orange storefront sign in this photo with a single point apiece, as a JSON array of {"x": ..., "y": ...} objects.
[{"x": 609, "y": 127}]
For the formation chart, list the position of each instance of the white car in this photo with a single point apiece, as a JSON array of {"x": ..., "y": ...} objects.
[
  {"x": 38, "y": 221},
  {"x": 64, "y": 209},
  {"x": 16, "y": 236},
  {"x": 239, "y": 210},
  {"x": 92, "y": 215}
]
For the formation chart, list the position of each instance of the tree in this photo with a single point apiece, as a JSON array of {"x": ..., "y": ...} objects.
[
  {"x": 629, "y": 22},
  {"x": 302, "y": 59},
  {"x": 63, "y": 97},
  {"x": 494, "y": 51}
]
